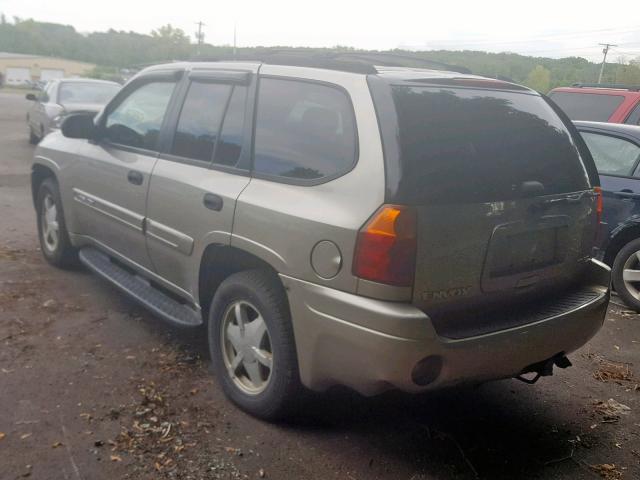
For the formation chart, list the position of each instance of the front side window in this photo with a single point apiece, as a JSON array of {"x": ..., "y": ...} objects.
[
  {"x": 200, "y": 119},
  {"x": 137, "y": 120},
  {"x": 612, "y": 155},
  {"x": 303, "y": 130}
]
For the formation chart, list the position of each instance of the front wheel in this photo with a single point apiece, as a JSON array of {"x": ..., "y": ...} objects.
[
  {"x": 252, "y": 345},
  {"x": 626, "y": 274},
  {"x": 52, "y": 230}
]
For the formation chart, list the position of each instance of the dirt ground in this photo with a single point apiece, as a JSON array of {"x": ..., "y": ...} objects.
[{"x": 94, "y": 387}]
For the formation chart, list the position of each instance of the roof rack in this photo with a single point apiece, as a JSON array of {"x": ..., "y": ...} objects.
[
  {"x": 343, "y": 61},
  {"x": 618, "y": 86}
]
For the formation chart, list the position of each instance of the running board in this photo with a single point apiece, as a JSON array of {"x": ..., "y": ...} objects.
[{"x": 140, "y": 290}]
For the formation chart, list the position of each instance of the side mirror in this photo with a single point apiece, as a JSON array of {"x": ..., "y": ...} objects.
[
  {"x": 79, "y": 125},
  {"x": 31, "y": 96}
]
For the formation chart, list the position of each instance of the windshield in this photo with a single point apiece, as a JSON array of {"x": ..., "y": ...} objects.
[
  {"x": 462, "y": 145},
  {"x": 587, "y": 106},
  {"x": 89, "y": 93}
]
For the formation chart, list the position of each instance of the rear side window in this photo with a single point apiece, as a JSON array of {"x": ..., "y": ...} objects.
[
  {"x": 200, "y": 120},
  {"x": 463, "y": 145},
  {"x": 587, "y": 106},
  {"x": 136, "y": 121},
  {"x": 230, "y": 141},
  {"x": 304, "y": 130},
  {"x": 612, "y": 155}
]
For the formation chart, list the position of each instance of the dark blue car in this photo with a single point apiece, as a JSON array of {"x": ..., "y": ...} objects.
[{"x": 616, "y": 151}]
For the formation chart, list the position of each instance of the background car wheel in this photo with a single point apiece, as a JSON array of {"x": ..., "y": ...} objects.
[
  {"x": 33, "y": 138},
  {"x": 252, "y": 345},
  {"x": 626, "y": 274},
  {"x": 52, "y": 231}
]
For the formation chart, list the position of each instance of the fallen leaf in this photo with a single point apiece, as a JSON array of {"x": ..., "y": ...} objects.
[
  {"x": 25, "y": 435},
  {"x": 56, "y": 445},
  {"x": 608, "y": 471},
  {"x": 116, "y": 458},
  {"x": 2, "y": 435}
]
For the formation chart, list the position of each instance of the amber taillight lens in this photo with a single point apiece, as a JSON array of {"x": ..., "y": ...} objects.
[
  {"x": 598, "y": 192},
  {"x": 386, "y": 247}
]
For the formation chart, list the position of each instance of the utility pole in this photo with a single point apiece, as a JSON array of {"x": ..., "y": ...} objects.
[
  {"x": 200, "y": 35},
  {"x": 605, "y": 50},
  {"x": 235, "y": 28}
]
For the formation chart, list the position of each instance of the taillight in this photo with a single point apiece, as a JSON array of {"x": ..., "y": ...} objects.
[
  {"x": 386, "y": 247},
  {"x": 598, "y": 192}
]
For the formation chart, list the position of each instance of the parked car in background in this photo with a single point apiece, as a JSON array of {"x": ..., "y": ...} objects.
[
  {"x": 615, "y": 103},
  {"x": 60, "y": 97},
  {"x": 616, "y": 151},
  {"x": 335, "y": 223}
]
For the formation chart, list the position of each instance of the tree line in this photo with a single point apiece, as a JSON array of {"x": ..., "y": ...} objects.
[{"x": 116, "y": 49}]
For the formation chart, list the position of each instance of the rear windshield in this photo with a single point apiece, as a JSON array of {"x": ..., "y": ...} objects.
[
  {"x": 88, "y": 93},
  {"x": 460, "y": 145},
  {"x": 587, "y": 106}
]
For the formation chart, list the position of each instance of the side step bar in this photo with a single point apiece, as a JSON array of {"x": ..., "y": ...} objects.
[{"x": 150, "y": 297}]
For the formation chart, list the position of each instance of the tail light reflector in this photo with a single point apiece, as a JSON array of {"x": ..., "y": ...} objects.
[
  {"x": 386, "y": 247},
  {"x": 598, "y": 192}
]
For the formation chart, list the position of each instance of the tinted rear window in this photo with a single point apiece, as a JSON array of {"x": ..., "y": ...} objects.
[
  {"x": 587, "y": 106},
  {"x": 466, "y": 145}
]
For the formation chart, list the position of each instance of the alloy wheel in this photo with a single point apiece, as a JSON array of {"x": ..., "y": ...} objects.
[{"x": 246, "y": 347}]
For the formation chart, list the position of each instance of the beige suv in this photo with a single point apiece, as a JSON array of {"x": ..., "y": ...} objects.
[{"x": 335, "y": 223}]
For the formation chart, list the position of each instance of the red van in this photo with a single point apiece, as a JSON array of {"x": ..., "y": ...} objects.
[{"x": 600, "y": 102}]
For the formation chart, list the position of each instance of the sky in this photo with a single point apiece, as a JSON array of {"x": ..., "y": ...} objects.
[{"x": 543, "y": 28}]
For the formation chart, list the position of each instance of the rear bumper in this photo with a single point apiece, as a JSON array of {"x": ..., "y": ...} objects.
[{"x": 373, "y": 346}]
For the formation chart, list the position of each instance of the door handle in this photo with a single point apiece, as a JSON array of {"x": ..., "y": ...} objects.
[
  {"x": 213, "y": 201},
  {"x": 135, "y": 177},
  {"x": 627, "y": 194}
]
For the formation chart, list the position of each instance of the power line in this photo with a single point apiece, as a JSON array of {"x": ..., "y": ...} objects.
[{"x": 605, "y": 50}]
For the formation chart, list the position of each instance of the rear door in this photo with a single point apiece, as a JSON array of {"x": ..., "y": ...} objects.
[
  {"x": 505, "y": 205},
  {"x": 616, "y": 158},
  {"x": 111, "y": 176},
  {"x": 200, "y": 174}
]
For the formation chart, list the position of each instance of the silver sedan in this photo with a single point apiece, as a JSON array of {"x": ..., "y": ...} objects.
[{"x": 64, "y": 96}]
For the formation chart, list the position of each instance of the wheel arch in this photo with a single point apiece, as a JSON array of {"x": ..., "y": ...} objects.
[
  {"x": 218, "y": 262},
  {"x": 622, "y": 235},
  {"x": 39, "y": 173}
]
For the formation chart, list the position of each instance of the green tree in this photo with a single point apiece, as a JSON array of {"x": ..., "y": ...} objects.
[{"x": 539, "y": 79}]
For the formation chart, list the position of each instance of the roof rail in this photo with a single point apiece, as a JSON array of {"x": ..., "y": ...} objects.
[
  {"x": 344, "y": 61},
  {"x": 618, "y": 86}
]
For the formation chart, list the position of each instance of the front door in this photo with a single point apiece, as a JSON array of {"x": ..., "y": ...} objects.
[
  {"x": 111, "y": 180},
  {"x": 195, "y": 184},
  {"x": 617, "y": 160}
]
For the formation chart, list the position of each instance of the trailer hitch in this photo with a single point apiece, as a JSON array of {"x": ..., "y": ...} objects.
[{"x": 544, "y": 368}]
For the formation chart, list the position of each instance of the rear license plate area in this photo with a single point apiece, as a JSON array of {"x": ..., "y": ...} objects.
[{"x": 524, "y": 251}]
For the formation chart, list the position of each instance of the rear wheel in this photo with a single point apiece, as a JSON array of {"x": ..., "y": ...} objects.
[
  {"x": 252, "y": 346},
  {"x": 626, "y": 274},
  {"x": 52, "y": 230}
]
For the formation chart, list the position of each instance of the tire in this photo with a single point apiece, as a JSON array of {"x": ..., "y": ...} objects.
[
  {"x": 255, "y": 292},
  {"x": 33, "y": 138},
  {"x": 627, "y": 259},
  {"x": 54, "y": 239}
]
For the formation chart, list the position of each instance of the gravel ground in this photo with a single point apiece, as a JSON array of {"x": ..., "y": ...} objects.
[{"x": 94, "y": 387}]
